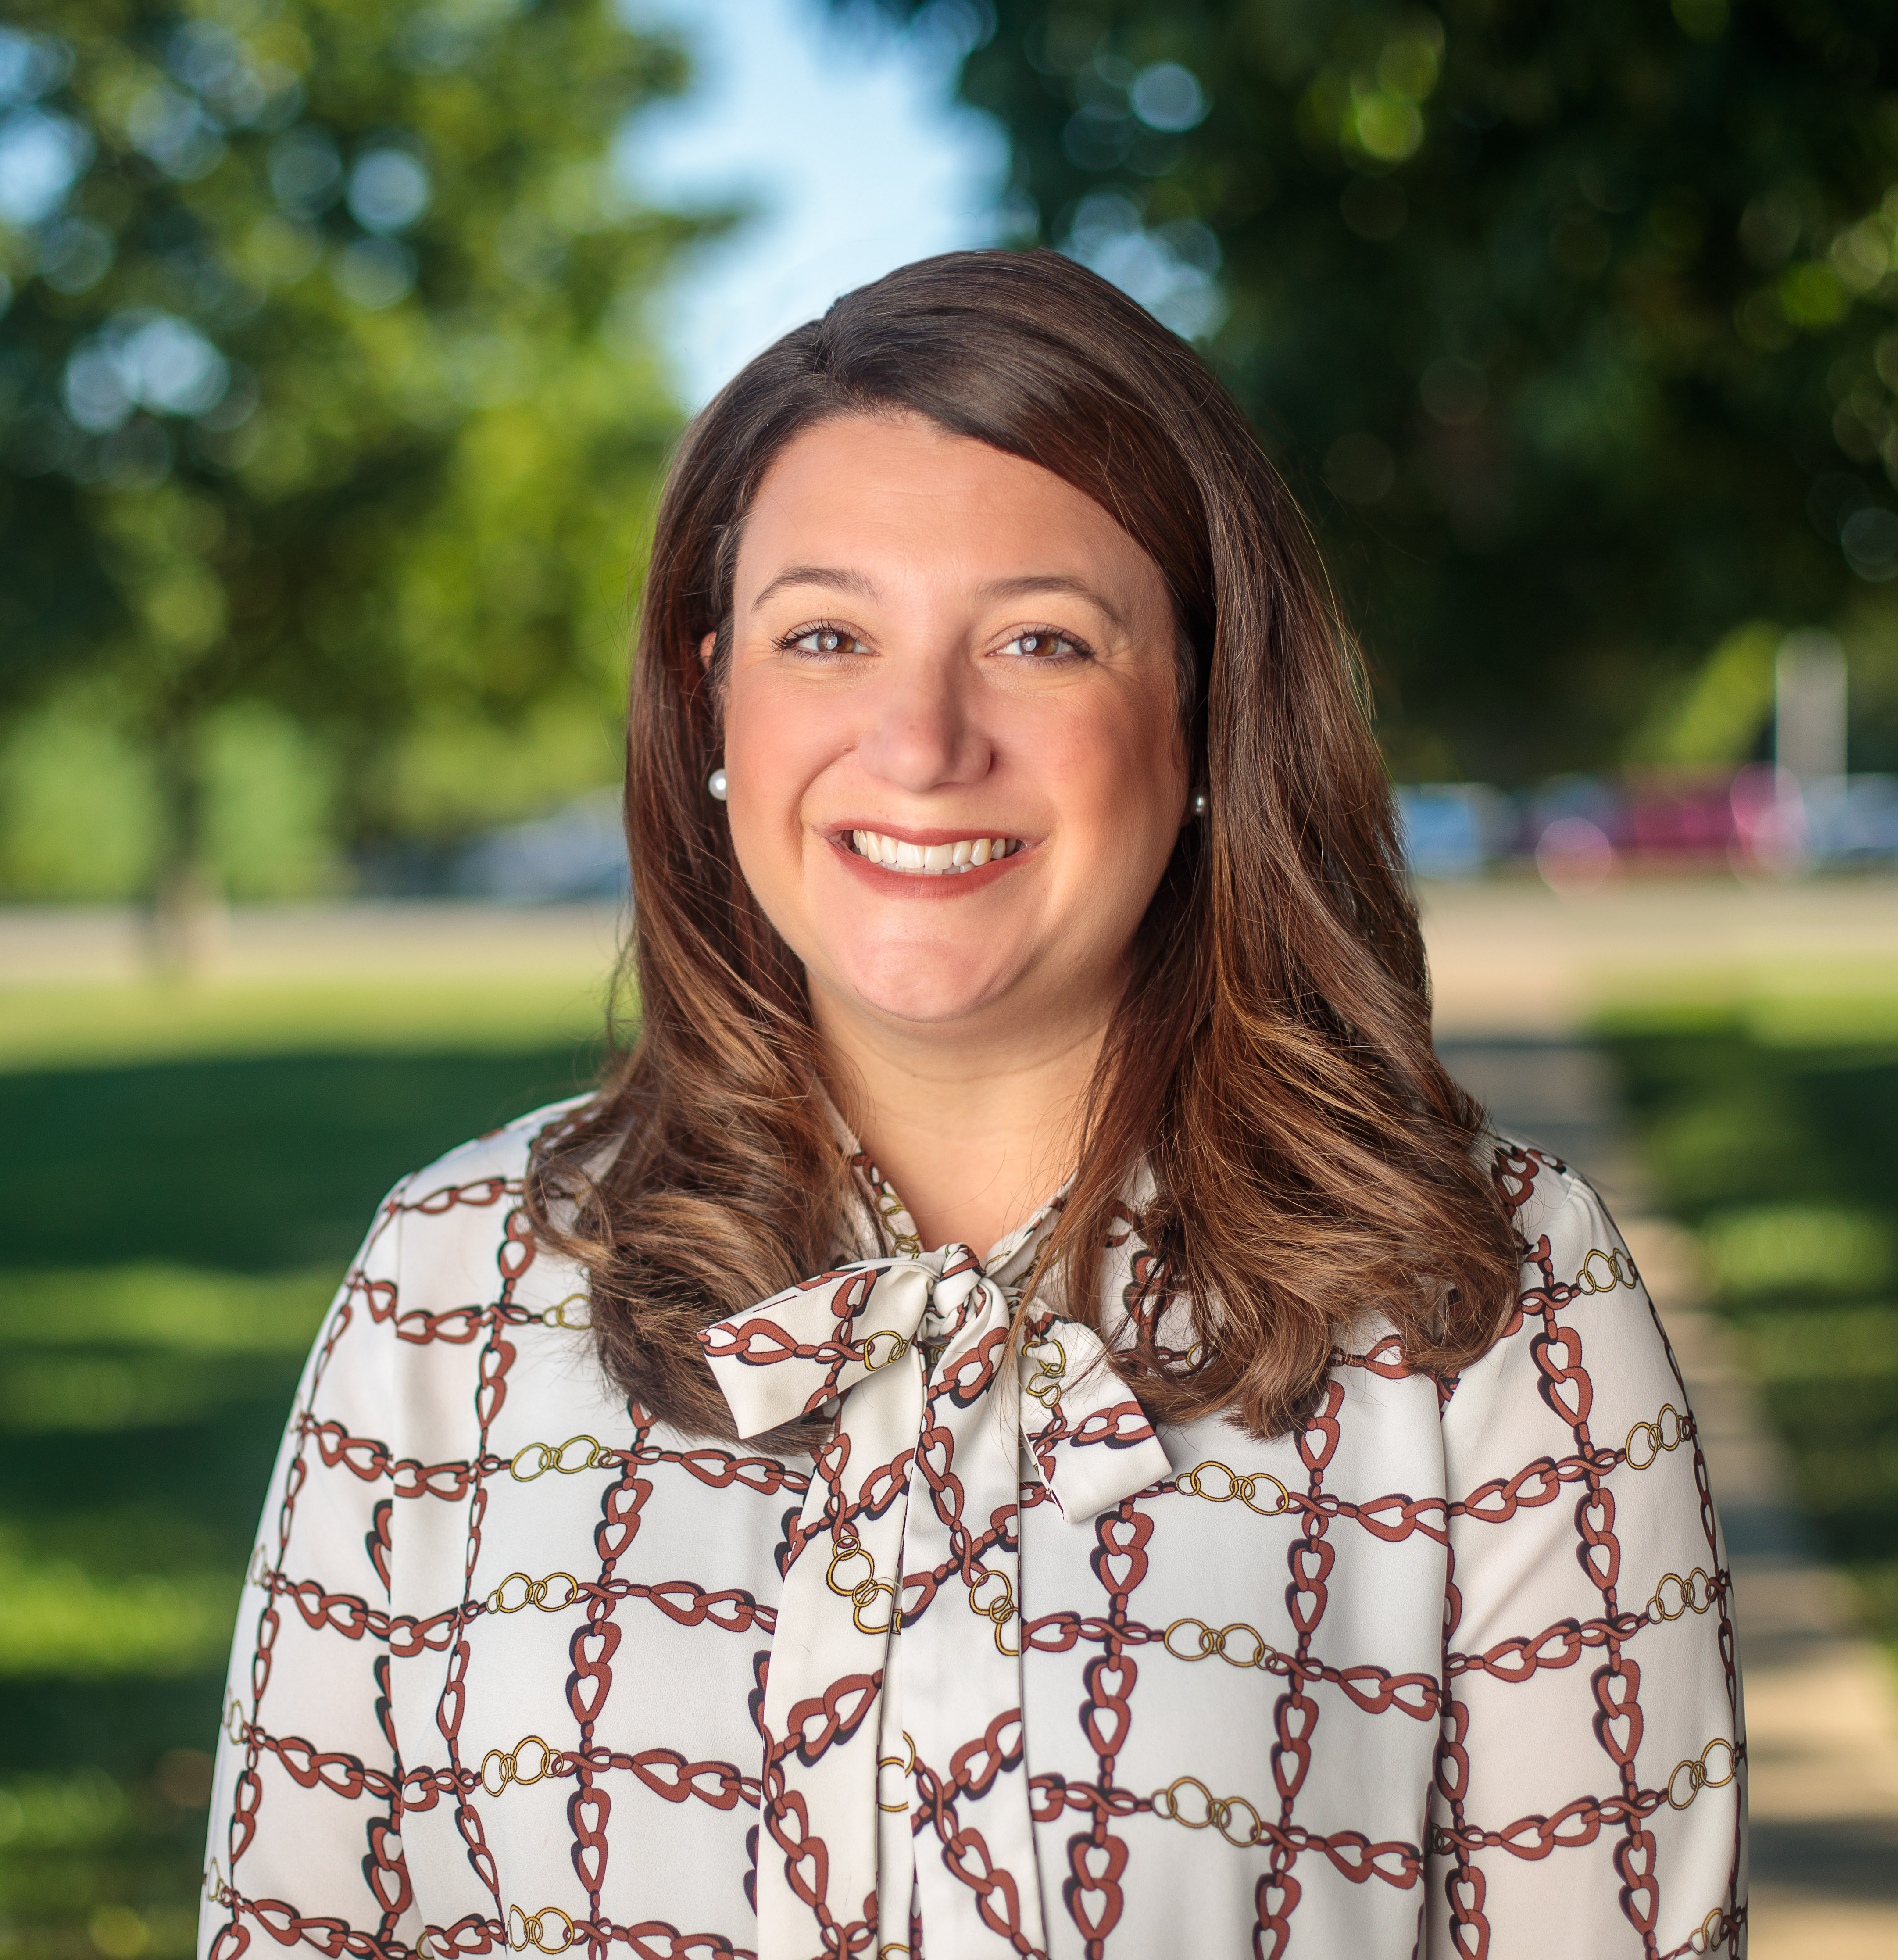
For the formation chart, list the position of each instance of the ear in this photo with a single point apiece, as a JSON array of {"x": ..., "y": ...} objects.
[{"x": 705, "y": 647}]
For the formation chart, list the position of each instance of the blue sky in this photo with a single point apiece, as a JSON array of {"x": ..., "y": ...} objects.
[{"x": 844, "y": 138}]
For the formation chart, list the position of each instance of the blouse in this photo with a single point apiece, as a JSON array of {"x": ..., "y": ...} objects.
[{"x": 1001, "y": 1669}]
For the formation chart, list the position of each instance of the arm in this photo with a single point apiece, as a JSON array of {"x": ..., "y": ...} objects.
[
  {"x": 1588, "y": 1794},
  {"x": 306, "y": 1811}
]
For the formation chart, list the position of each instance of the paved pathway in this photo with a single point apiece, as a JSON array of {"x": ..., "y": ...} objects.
[
  {"x": 389, "y": 940},
  {"x": 1508, "y": 957},
  {"x": 1821, "y": 1705}
]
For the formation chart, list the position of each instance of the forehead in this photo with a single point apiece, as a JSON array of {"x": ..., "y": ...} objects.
[{"x": 857, "y": 489}]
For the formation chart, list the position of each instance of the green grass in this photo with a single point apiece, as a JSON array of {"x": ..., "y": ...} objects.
[
  {"x": 179, "y": 1207},
  {"x": 96, "y": 1024},
  {"x": 1792, "y": 999},
  {"x": 1775, "y": 1135}
]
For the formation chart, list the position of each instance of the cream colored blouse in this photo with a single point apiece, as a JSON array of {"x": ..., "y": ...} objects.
[{"x": 1002, "y": 1671}]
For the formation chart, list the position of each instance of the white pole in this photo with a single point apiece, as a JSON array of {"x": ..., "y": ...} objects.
[
  {"x": 1809, "y": 736},
  {"x": 1809, "y": 700}
]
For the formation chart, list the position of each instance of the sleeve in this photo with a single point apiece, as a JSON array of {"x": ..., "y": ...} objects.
[
  {"x": 1589, "y": 1794},
  {"x": 305, "y": 1842}
]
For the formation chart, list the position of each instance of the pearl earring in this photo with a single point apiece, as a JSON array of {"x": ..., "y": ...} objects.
[
  {"x": 1201, "y": 803},
  {"x": 716, "y": 785}
]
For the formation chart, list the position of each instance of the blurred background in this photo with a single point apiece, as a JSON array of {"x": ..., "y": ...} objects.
[{"x": 341, "y": 347}]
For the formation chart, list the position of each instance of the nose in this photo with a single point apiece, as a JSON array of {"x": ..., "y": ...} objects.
[{"x": 925, "y": 729}]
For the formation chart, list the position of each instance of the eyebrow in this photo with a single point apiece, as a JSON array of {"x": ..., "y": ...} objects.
[
  {"x": 840, "y": 578},
  {"x": 1032, "y": 584}
]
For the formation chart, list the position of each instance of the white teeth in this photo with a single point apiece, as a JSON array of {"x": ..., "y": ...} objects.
[{"x": 932, "y": 860}]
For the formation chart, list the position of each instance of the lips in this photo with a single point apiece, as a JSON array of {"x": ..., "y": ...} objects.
[{"x": 944, "y": 860}]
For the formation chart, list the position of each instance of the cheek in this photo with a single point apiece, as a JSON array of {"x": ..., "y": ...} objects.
[
  {"x": 774, "y": 743},
  {"x": 777, "y": 741},
  {"x": 1124, "y": 782}
]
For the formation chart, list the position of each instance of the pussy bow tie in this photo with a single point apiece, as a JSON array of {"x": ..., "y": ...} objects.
[{"x": 871, "y": 1797}]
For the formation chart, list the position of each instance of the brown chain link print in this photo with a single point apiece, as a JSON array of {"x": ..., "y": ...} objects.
[{"x": 1451, "y": 1673}]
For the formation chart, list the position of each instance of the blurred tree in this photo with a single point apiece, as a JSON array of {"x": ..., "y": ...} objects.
[
  {"x": 325, "y": 382},
  {"x": 1716, "y": 718},
  {"x": 1572, "y": 323}
]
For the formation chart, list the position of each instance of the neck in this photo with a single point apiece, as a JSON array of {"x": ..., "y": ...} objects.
[{"x": 975, "y": 1132}]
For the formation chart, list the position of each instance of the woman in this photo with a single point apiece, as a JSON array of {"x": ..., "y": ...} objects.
[{"x": 688, "y": 1541}]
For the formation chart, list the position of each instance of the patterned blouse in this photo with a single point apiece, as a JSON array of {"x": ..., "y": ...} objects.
[{"x": 1001, "y": 1670}]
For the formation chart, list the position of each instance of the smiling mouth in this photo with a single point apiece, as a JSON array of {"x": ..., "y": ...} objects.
[{"x": 931, "y": 861}]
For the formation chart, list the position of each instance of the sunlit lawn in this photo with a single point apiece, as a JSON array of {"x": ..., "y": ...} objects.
[
  {"x": 176, "y": 1218},
  {"x": 1775, "y": 1134}
]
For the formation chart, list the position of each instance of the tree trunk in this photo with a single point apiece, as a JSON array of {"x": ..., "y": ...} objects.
[{"x": 187, "y": 921}]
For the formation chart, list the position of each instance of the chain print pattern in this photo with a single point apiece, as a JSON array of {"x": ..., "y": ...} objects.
[
  {"x": 1699, "y": 1772},
  {"x": 916, "y": 1458},
  {"x": 1648, "y": 1440},
  {"x": 1204, "y": 1479},
  {"x": 1453, "y": 1665}
]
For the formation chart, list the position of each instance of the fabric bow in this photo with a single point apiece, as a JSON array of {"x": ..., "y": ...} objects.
[{"x": 911, "y": 1526}]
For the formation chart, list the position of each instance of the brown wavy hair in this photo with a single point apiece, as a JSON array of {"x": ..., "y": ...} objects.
[{"x": 1270, "y": 1062}]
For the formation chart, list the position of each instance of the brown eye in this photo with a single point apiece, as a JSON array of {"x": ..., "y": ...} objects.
[
  {"x": 1041, "y": 644},
  {"x": 822, "y": 640}
]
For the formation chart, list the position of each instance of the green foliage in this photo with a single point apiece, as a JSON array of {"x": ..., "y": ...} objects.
[
  {"x": 78, "y": 803},
  {"x": 1869, "y": 631},
  {"x": 1573, "y": 325},
  {"x": 453, "y": 772},
  {"x": 1713, "y": 717},
  {"x": 1780, "y": 1154},
  {"x": 325, "y": 385},
  {"x": 268, "y": 797}
]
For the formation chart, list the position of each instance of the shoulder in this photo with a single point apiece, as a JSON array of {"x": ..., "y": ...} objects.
[
  {"x": 450, "y": 1258},
  {"x": 456, "y": 1222},
  {"x": 498, "y": 1157},
  {"x": 450, "y": 1306},
  {"x": 1558, "y": 1217},
  {"x": 1581, "y": 1352}
]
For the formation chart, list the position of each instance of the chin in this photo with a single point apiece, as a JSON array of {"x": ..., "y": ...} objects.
[{"x": 920, "y": 986}]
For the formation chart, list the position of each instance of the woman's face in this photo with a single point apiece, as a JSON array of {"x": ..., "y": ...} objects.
[{"x": 951, "y": 734}]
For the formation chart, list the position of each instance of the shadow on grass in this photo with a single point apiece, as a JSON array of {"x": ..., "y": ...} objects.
[
  {"x": 247, "y": 1166},
  {"x": 176, "y": 1231}
]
